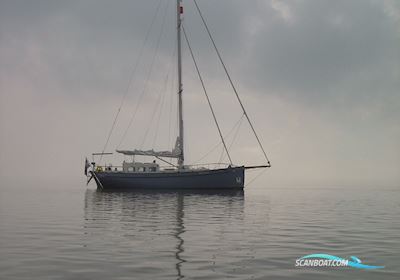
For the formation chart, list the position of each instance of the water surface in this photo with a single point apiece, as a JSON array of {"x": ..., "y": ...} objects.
[{"x": 70, "y": 232}]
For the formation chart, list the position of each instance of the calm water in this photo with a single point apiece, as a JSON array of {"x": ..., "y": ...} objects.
[{"x": 70, "y": 232}]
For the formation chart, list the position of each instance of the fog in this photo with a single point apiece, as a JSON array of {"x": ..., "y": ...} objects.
[{"x": 320, "y": 81}]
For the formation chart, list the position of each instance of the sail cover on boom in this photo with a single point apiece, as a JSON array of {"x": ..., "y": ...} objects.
[
  {"x": 168, "y": 154},
  {"x": 175, "y": 153}
]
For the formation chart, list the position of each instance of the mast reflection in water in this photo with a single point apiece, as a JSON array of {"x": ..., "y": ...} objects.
[{"x": 159, "y": 232}]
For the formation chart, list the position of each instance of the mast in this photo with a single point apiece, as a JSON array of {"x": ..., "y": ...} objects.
[{"x": 179, "y": 11}]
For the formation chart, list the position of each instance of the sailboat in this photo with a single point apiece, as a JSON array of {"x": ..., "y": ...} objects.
[{"x": 150, "y": 175}]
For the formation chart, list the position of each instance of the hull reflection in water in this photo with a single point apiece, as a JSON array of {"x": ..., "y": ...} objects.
[{"x": 158, "y": 226}]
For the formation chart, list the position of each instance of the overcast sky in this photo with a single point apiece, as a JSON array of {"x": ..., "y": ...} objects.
[{"x": 320, "y": 79}]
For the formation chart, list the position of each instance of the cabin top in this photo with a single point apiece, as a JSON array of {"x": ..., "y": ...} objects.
[{"x": 140, "y": 166}]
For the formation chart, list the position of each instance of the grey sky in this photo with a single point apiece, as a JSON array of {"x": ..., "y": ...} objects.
[{"x": 321, "y": 80}]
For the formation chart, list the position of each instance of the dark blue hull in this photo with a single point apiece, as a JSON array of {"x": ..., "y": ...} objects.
[{"x": 227, "y": 178}]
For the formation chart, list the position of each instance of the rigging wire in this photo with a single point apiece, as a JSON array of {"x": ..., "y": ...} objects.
[
  {"x": 219, "y": 143},
  {"x": 160, "y": 111},
  {"x": 160, "y": 103},
  {"x": 205, "y": 92},
  {"x": 171, "y": 102},
  {"x": 146, "y": 81},
  {"x": 237, "y": 132},
  {"x": 133, "y": 72},
  {"x": 231, "y": 82},
  {"x": 161, "y": 94},
  {"x": 163, "y": 100},
  {"x": 234, "y": 138},
  {"x": 256, "y": 177}
]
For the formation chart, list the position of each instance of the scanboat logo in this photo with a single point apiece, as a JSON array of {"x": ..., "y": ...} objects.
[{"x": 323, "y": 260}]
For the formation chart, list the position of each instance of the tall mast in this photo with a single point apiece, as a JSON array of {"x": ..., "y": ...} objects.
[{"x": 179, "y": 11}]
